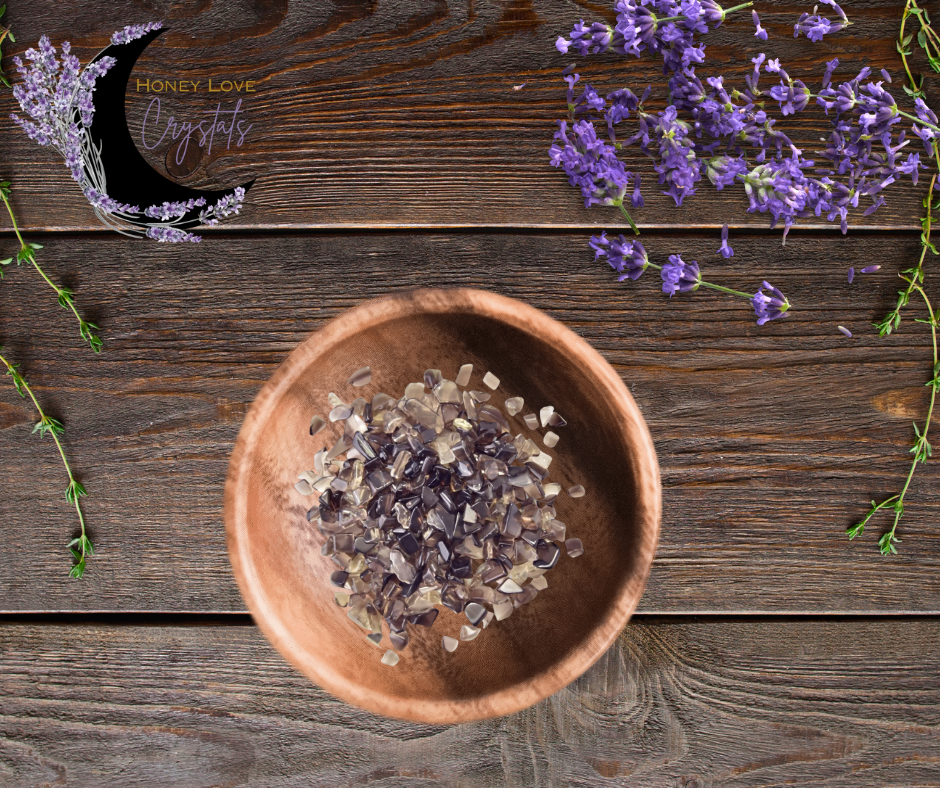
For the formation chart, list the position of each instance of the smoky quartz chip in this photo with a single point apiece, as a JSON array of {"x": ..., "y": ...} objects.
[{"x": 430, "y": 501}]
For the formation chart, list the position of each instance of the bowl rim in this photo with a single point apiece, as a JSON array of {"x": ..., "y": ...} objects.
[{"x": 439, "y": 301}]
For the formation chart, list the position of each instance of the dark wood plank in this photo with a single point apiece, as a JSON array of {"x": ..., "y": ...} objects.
[
  {"x": 404, "y": 114},
  {"x": 771, "y": 440},
  {"x": 809, "y": 703}
]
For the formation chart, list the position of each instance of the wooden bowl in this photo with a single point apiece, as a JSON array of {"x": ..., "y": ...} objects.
[{"x": 543, "y": 645}]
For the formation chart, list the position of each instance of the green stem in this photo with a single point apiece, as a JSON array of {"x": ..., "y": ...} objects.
[
  {"x": 907, "y": 68},
  {"x": 703, "y": 283},
  {"x": 623, "y": 210},
  {"x": 922, "y": 439},
  {"x": 737, "y": 8},
  {"x": 21, "y": 386},
  {"x": 748, "y": 296},
  {"x": 64, "y": 296}
]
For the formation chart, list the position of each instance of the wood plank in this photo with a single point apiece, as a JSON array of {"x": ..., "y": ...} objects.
[
  {"x": 771, "y": 440},
  {"x": 721, "y": 703},
  {"x": 401, "y": 114}
]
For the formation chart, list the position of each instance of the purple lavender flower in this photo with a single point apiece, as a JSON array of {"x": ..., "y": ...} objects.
[
  {"x": 171, "y": 235},
  {"x": 769, "y": 306},
  {"x": 639, "y": 26},
  {"x": 590, "y": 164},
  {"x": 851, "y": 275},
  {"x": 622, "y": 103},
  {"x": 816, "y": 27},
  {"x": 926, "y": 134},
  {"x": 173, "y": 210},
  {"x": 229, "y": 205},
  {"x": 844, "y": 331},
  {"x": 628, "y": 258},
  {"x": 679, "y": 276},
  {"x": 133, "y": 32},
  {"x": 870, "y": 269},
  {"x": 637, "y": 198},
  {"x": 725, "y": 251},
  {"x": 106, "y": 204},
  {"x": 831, "y": 66},
  {"x": 760, "y": 32},
  {"x": 678, "y": 166}
]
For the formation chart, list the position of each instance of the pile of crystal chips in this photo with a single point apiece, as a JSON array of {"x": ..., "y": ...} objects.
[{"x": 436, "y": 503}]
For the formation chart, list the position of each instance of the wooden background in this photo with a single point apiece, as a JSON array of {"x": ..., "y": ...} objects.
[{"x": 391, "y": 151}]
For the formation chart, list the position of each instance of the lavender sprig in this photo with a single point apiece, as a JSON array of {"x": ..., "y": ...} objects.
[
  {"x": 81, "y": 547},
  {"x": 629, "y": 259},
  {"x": 66, "y": 296},
  {"x": 922, "y": 450},
  {"x": 815, "y": 27},
  {"x": 133, "y": 32}
]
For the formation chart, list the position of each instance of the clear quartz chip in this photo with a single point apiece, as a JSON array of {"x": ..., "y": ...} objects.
[
  {"x": 555, "y": 420},
  {"x": 334, "y": 401},
  {"x": 303, "y": 487},
  {"x": 531, "y": 421},
  {"x": 463, "y": 376},
  {"x": 361, "y": 377},
  {"x": 574, "y": 548},
  {"x": 414, "y": 391},
  {"x": 502, "y": 610},
  {"x": 510, "y": 586},
  {"x": 491, "y": 381},
  {"x": 449, "y": 644},
  {"x": 541, "y": 459},
  {"x": 551, "y": 439},
  {"x": 340, "y": 412},
  {"x": 375, "y": 638},
  {"x": 514, "y": 405},
  {"x": 390, "y": 658},
  {"x": 469, "y": 633},
  {"x": 545, "y": 414},
  {"x": 316, "y": 424},
  {"x": 539, "y": 583},
  {"x": 576, "y": 491},
  {"x": 551, "y": 490}
]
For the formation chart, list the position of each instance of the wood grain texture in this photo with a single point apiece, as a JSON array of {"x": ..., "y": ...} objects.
[
  {"x": 722, "y": 704},
  {"x": 404, "y": 114},
  {"x": 771, "y": 440}
]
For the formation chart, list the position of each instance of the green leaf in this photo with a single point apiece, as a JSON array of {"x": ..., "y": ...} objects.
[
  {"x": 78, "y": 570},
  {"x": 855, "y": 530},
  {"x": 922, "y": 38}
]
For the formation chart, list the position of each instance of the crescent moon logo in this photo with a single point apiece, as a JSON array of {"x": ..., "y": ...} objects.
[{"x": 82, "y": 115}]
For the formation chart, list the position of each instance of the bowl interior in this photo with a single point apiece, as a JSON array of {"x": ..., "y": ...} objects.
[{"x": 543, "y": 644}]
